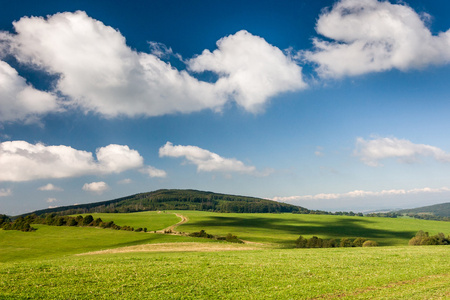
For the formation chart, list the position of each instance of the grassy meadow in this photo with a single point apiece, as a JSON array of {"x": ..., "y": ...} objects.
[
  {"x": 46, "y": 264},
  {"x": 284, "y": 229}
]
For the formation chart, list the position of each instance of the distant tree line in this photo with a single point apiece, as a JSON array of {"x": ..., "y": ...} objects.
[
  {"x": 52, "y": 219},
  {"x": 423, "y": 238},
  {"x": 316, "y": 242},
  {"x": 429, "y": 217},
  {"x": 229, "y": 237}
]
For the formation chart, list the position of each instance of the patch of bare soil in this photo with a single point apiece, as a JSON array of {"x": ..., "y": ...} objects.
[{"x": 175, "y": 247}]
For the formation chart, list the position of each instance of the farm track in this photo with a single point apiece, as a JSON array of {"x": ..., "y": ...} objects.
[{"x": 171, "y": 229}]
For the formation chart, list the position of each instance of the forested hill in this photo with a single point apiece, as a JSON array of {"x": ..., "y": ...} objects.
[
  {"x": 440, "y": 210},
  {"x": 179, "y": 200}
]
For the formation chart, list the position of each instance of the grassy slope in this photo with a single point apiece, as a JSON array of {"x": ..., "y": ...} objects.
[
  {"x": 285, "y": 228},
  {"x": 350, "y": 273},
  {"x": 51, "y": 241},
  {"x": 151, "y": 220}
]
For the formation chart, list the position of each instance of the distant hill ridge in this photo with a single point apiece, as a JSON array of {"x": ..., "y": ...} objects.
[
  {"x": 174, "y": 199},
  {"x": 440, "y": 210}
]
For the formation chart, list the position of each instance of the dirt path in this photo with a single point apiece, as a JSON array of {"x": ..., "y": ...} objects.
[{"x": 171, "y": 229}]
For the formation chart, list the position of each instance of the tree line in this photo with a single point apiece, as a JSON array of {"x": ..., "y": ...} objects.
[
  {"x": 423, "y": 238},
  {"x": 24, "y": 223},
  {"x": 316, "y": 242}
]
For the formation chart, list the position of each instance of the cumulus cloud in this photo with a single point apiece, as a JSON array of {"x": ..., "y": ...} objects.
[
  {"x": 125, "y": 181},
  {"x": 95, "y": 187},
  {"x": 362, "y": 194},
  {"x": 153, "y": 172},
  {"x": 5, "y": 192},
  {"x": 22, "y": 161},
  {"x": 52, "y": 200},
  {"x": 373, "y": 36},
  {"x": 250, "y": 69},
  {"x": 207, "y": 161},
  {"x": 19, "y": 100},
  {"x": 99, "y": 73},
  {"x": 50, "y": 187},
  {"x": 372, "y": 151}
]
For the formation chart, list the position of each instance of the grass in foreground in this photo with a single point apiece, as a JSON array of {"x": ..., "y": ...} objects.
[{"x": 350, "y": 273}]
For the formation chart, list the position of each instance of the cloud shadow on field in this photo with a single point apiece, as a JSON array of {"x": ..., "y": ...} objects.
[{"x": 336, "y": 228}]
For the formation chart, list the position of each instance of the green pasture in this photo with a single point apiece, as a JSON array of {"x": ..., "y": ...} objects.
[
  {"x": 151, "y": 220},
  {"x": 52, "y": 241},
  {"x": 284, "y": 229},
  {"x": 346, "y": 273}
]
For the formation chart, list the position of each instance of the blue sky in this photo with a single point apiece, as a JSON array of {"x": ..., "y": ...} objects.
[{"x": 333, "y": 105}]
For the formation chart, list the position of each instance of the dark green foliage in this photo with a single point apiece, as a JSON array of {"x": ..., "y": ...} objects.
[
  {"x": 370, "y": 243},
  {"x": 301, "y": 242},
  {"x": 179, "y": 200},
  {"x": 21, "y": 223},
  {"x": 88, "y": 220},
  {"x": 316, "y": 242},
  {"x": 202, "y": 234},
  {"x": 358, "y": 242},
  {"x": 233, "y": 239},
  {"x": 423, "y": 238},
  {"x": 346, "y": 242},
  {"x": 437, "y": 210},
  {"x": 4, "y": 219}
]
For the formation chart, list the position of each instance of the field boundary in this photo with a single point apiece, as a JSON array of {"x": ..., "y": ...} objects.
[{"x": 171, "y": 229}]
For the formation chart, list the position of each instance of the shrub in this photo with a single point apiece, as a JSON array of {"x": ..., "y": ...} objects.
[
  {"x": 346, "y": 242},
  {"x": 301, "y": 242},
  {"x": 370, "y": 243},
  {"x": 358, "y": 242}
]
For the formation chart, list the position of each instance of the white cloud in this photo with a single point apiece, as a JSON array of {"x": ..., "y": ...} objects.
[
  {"x": 5, "y": 192},
  {"x": 373, "y": 36},
  {"x": 22, "y": 161},
  {"x": 372, "y": 151},
  {"x": 207, "y": 161},
  {"x": 19, "y": 100},
  {"x": 99, "y": 73},
  {"x": 362, "y": 194},
  {"x": 250, "y": 69},
  {"x": 153, "y": 172},
  {"x": 125, "y": 181},
  {"x": 52, "y": 200},
  {"x": 95, "y": 187},
  {"x": 50, "y": 187}
]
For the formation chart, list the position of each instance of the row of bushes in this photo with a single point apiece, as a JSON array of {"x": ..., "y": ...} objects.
[
  {"x": 423, "y": 238},
  {"x": 24, "y": 223},
  {"x": 316, "y": 242},
  {"x": 229, "y": 237}
]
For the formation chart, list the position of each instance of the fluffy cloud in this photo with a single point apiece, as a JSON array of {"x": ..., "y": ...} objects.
[
  {"x": 373, "y": 36},
  {"x": 95, "y": 187},
  {"x": 153, "y": 172},
  {"x": 52, "y": 200},
  {"x": 372, "y": 151},
  {"x": 100, "y": 73},
  {"x": 50, "y": 187},
  {"x": 362, "y": 194},
  {"x": 19, "y": 100},
  {"x": 22, "y": 161},
  {"x": 5, "y": 192},
  {"x": 205, "y": 160},
  {"x": 250, "y": 69}
]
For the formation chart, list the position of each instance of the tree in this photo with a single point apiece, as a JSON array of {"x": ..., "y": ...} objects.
[
  {"x": 346, "y": 242},
  {"x": 370, "y": 243},
  {"x": 301, "y": 242},
  {"x": 314, "y": 242},
  {"x": 88, "y": 220},
  {"x": 358, "y": 242}
]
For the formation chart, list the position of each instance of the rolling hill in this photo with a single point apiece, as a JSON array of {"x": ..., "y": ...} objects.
[
  {"x": 440, "y": 210},
  {"x": 173, "y": 199}
]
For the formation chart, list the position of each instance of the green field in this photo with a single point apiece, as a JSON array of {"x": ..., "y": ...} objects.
[
  {"x": 151, "y": 220},
  {"x": 44, "y": 264},
  {"x": 351, "y": 273},
  {"x": 284, "y": 229}
]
